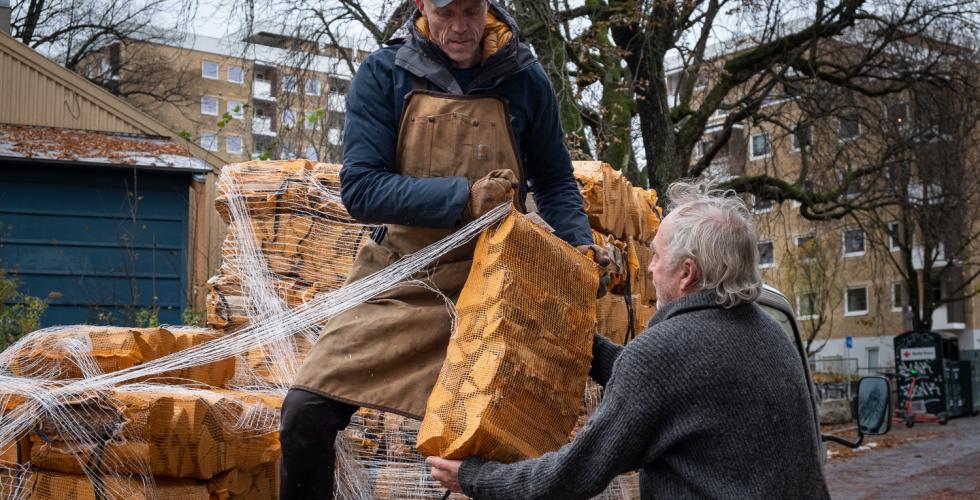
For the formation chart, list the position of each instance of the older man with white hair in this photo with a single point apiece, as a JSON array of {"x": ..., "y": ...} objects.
[{"x": 709, "y": 402}]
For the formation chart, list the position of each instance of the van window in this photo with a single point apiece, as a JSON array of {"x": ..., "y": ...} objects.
[{"x": 783, "y": 320}]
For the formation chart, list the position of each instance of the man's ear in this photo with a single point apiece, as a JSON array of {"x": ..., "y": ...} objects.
[{"x": 689, "y": 274}]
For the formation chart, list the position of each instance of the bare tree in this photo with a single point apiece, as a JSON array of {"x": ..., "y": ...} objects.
[
  {"x": 90, "y": 37},
  {"x": 928, "y": 225},
  {"x": 811, "y": 278}
]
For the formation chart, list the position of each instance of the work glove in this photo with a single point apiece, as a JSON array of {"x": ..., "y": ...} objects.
[
  {"x": 601, "y": 257},
  {"x": 487, "y": 192}
]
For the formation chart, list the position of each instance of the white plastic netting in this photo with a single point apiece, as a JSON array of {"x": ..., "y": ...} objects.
[{"x": 178, "y": 412}]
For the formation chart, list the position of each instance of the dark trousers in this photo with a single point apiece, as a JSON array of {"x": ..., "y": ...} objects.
[{"x": 310, "y": 423}]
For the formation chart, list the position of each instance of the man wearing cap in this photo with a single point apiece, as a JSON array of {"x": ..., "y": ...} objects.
[{"x": 441, "y": 126}]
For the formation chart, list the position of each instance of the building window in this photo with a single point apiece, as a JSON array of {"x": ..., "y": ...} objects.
[
  {"x": 288, "y": 118},
  {"x": 854, "y": 242},
  {"x": 899, "y": 297},
  {"x": 209, "y": 141},
  {"x": 236, "y": 109},
  {"x": 807, "y": 306},
  {"x": 235, "y": 74},
  {"x": 759, "y": 146},
  {"x": 872, "y": 358},
  {"x": 898, "y": 114},
  {"x": 806, "y": 246},
  {"x": 766, "y": 258},
  {"x": 895, "y": 236},
  {"x": 233, "y": 144},
  {"x": 209, "y": 105},
  {"x": 335, "y": 102},
  {"x": 209, "y": 70},
  {"x": 848, "y": 126},
  {"x": 333, "y": 136},
  {"x": 761, "y": 205},
  {"x": 312, "y": 87},
  {"x": 800, "y": 136},
  {"x": 856, "y": 301},
  {"x": 853, "y": 187},
  {"x": 288, "y": 83}
]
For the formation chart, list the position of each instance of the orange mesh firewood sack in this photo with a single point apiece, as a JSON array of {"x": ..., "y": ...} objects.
[{"x": 518, "y": 359}]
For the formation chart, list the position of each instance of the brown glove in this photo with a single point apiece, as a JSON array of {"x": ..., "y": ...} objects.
[
  {"x": 490, "y": 191},
  {"x": 602, "y": 258}
]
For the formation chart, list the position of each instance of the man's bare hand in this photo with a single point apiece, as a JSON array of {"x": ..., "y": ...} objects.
[
  {"x": 446, "y": 472},
  {"x": 490, "y": 191}
]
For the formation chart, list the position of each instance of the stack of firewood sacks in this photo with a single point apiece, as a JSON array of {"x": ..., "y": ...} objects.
[
  {"x": 181, "y": 429},
  {"x": 624, "y": 219},
  {"x": 212, "y": 442}
]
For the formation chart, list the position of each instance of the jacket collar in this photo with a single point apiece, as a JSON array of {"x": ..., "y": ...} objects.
[
  {"x": 422, "y": 58},
  {"x": 704, "y": 299}
]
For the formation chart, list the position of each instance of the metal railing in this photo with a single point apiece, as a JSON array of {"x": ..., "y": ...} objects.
[
  {"x": 834, "y": 377},
  {"x": 262, "y": 89}
]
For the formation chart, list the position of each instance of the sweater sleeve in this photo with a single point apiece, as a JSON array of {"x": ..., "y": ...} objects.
[
  {"x": 550, "y": 168},
  {"x": 617, "y": 438},
  {"x": 370, "y": 186},
  {"x": 604, "y": 355}
]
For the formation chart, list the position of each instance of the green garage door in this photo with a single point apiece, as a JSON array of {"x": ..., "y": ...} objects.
[{"x": 104, "y": 245}]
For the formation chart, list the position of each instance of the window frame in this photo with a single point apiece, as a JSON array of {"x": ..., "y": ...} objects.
[
  {"x": 794, "y": 145},
  {"x": 217, "y": 105},
  {"x": 864, "y": 242},
  {"x": 282, "y": 118},
  {"x": 752, "y": 155},
  {"x": 306, "y": 87},
  {"x": 290, "y": 78},
  {"x": 762, "y": 210},
  {"x": 216, "y": 145},
  {"x": 772, "y": 254},
  {"x": 241, "y": 144},
  {"x": 217, "y": 69},
  {"x": 890, "y": 117},
  {"x": 902, "y": 292},
  {"x": 230, "y": 106},
  {"x": 241, "y": 74},
  {"x": 892, "y": 247},
  {"x": 840, "y": 122},
  {"x": 799, "y": 306},
  {"x": 867, "y": 301}
]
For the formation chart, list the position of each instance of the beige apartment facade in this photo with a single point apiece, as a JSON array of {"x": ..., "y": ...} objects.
[
  {"x": 842, "y": 275},
  {"x": 239, "y": 99}
]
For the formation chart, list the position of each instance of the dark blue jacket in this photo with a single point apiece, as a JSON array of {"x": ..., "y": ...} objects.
[{"x": 372, "y": 188}]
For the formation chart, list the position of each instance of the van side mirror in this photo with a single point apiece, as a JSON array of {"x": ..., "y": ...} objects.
[
  {"x": 874, "y": 406},
  {"x": 874, "y": 409}
]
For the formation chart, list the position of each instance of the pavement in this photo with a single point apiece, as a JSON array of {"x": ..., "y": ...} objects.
[{"x": 928, "y": 461}]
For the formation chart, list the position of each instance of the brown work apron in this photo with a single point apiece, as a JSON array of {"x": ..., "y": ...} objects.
[{"x": 387, "y": 352}]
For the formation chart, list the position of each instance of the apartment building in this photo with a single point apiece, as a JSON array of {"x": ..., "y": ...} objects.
[
  {"x": 845, "y": 275},
  {"x": 263, "y": 96}
]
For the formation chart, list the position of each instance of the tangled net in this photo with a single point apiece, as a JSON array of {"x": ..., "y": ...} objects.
[{"x": 178, "y": 412}]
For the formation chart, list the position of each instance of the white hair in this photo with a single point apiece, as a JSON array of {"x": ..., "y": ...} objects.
[{"x": 715, "y": 228}]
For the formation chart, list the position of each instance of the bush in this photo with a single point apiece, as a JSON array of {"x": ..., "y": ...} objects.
[{"x": 19, "y": 314}]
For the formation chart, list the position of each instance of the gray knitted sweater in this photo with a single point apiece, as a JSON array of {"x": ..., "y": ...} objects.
[{"x": 707, "y": 403}]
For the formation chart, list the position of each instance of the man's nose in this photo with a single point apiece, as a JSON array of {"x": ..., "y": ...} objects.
[{"x": 458, "y": 25}]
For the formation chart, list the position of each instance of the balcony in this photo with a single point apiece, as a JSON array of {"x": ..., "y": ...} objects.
[
  {"x": 262, "y": 89},
  {"x": 262, "y": 125},
  {"x": 943, "y": 318}
]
